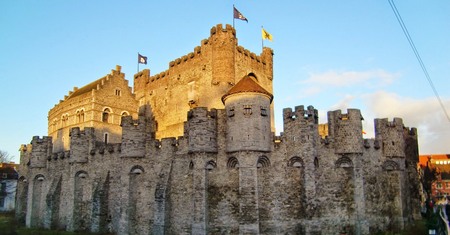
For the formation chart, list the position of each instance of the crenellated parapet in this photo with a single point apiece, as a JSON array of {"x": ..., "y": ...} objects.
[
  {"x": 391, "y": 135},
  {"x": 300, "y": 125},
  {"x": 202, "y": 130},
  {"x": 223, "y": 42},
  {"x": 41, "y": 150},
  {"x": 345, "y": 131},
  {"x": 81, "y": 144},
  {"x": 141, "y": 79},
  {"x": 136, "y": 133},
  {"x": 301, "y": 116}
]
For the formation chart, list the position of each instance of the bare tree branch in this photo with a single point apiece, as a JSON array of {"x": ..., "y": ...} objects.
[{"x": 5, "y": 157}]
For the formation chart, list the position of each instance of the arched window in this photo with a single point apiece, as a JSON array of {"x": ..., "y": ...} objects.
[
  {"x": 137, "y": 170},
  {"x": 105, "y": 115},
  {"x": 296, "y": 162},
  {"x": 81, "y": 116},
  {"x": 232, "y": 163},
  {"x": 210, "y": 165},
  {"x": 64, "y": 119},
  {"x": 263, "y": 162},
  {"x": 55, "y": 121}
]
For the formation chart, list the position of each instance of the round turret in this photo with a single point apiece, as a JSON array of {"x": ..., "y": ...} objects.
[{"x": 247, "y": 107}]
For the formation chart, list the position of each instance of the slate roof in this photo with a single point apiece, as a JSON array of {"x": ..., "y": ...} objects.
[
  {"x": 8, "y": 171},
  {"x": 247, "y": 84},
  {"x": 88, "y": 88}
]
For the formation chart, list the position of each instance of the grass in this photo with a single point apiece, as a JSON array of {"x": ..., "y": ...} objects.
[
  {"x": 418, "y": 228},
  {"x": 8, "y": 226}
]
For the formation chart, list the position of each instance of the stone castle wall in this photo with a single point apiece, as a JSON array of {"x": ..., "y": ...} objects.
[{"x": 304, "y": 185}]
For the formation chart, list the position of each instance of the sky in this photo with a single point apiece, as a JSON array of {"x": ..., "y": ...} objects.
[{"x": 329, "y": 54}]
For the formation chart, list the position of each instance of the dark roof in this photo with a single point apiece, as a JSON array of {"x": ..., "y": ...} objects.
[
  {"x": 10, "y": 172},
  {"x": 247, "y": 84},
  {"x": 88, "y": 88}
]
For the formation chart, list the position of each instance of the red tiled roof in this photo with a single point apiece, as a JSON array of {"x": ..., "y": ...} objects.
[
  {"x": 423, "y": 159},
  {"x": 247, "y": 84}
]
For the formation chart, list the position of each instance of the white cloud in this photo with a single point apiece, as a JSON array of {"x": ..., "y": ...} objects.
[
  {"x": 426, "y": 115},
  {"x": 344, "y": 104},
  {"x": 351, "y": 78}
]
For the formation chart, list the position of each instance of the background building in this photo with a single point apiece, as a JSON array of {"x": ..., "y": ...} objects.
[{"x": 8, "y": 184}]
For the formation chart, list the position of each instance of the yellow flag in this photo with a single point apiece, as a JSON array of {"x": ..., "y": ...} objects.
[{"x": 266, "y": 35}]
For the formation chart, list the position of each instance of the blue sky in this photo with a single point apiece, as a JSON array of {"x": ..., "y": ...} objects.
[{"x": 329, "y": 54}]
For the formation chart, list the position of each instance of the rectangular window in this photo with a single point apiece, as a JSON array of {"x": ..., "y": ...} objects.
[
  {"x": 118, "y": 92},
  {"x": 230, "y": 112},
  {"x": 438, "y": 185},
  {"x": 247, "y": 110},
  {"x": 263, "y": 111},
  {"x": 2, "y": 201},
  {"x": 3, "y": 187}
]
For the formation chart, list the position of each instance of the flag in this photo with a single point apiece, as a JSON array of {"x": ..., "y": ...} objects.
[
  {"x": 142, "y": 59},
  {"x": 238, "y": 15},
  {"x": 266, "y": 35}
]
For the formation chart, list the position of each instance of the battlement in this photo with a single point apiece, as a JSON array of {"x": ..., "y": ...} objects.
[
  {"x": 128, "y": 122},
  {"x": 301, "y": 114},
  {"x": 345, "y": 130},
  {"x": 381, "y": 123},
  {"x": 219, "y": 30},
  {"x": 201, "y": 113},
  {"x": 76, "y": 131},
  {"x": 391, "y": 134},
  {"x": 143, "y": 77},
  {"x": 81, "y": 143},
  {"x": 202, "y": 130},
  {"x": 41, "y": 150},
  {"x": 44, "y": 140}
]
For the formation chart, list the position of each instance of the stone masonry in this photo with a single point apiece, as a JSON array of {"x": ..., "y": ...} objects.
[{"x": 200, "y": 157}]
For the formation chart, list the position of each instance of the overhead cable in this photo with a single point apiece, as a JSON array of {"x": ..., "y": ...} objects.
[{"x": 422, "y": 65}]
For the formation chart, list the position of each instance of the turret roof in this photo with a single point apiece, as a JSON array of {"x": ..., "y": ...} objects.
[{"x": 247, "y": 84}]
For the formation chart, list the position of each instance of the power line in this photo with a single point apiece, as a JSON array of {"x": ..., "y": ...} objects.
[{"x": 422, "y": 65}]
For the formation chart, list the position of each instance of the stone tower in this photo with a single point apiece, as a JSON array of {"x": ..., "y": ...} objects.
[
  {"x": 200, "y": 78},
  {"x": 247, "y": 107}
]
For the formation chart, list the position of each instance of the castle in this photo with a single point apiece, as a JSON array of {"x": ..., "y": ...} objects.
[{"x": 192, "y": 150}]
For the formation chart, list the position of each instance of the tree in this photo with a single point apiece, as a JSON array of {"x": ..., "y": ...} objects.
[
  {"x": 430, "y": 175},
  {"x": 5, "y": 157}
]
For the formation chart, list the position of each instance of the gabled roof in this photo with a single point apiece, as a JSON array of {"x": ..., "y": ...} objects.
[
  {"x": 88, "y": 88},
  {"x": 247, "y": 84}
]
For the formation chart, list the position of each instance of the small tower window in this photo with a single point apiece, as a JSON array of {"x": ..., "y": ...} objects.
[
  {"x": 117, "y": 92},
  {"x": 263, "y": 111},
  {"x": 230, "y": 112},
  {"x": 247, "y": 110}
]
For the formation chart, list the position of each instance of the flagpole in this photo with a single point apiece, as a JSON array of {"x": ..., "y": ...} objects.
[
  {"x": 233, "y": 16},
  {"x": 262, "y": 38},
  {"x": 138, "y": 64}
]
